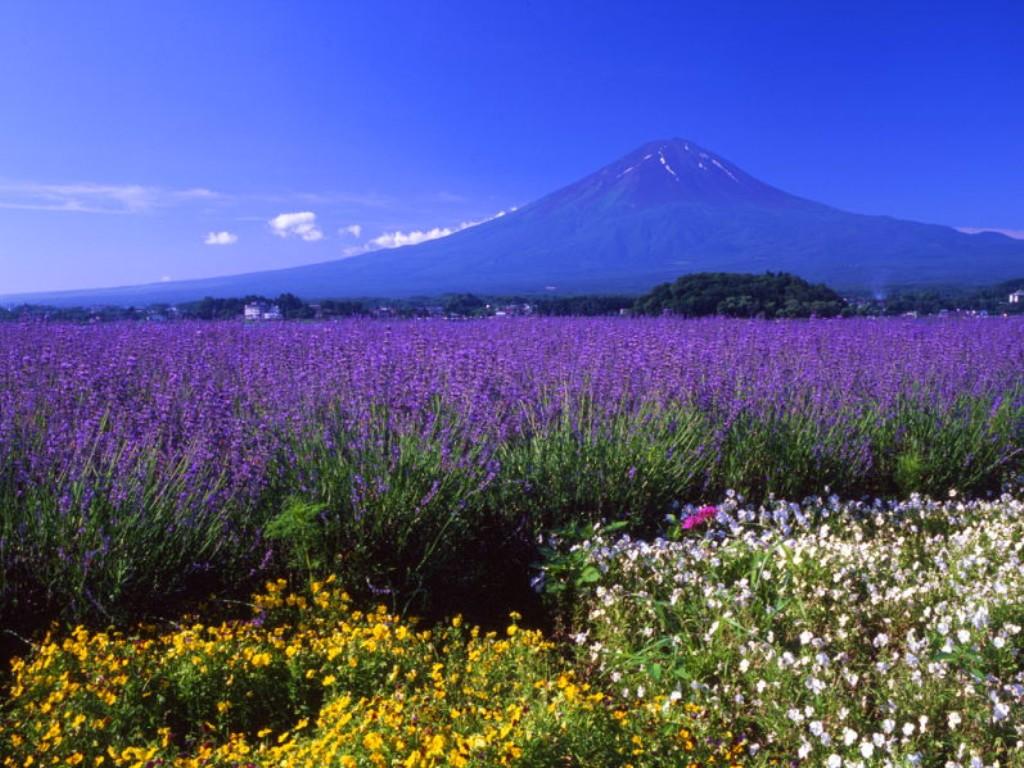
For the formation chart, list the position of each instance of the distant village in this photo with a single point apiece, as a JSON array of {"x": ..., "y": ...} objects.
[
  {"x": 260, "y": 311},
  {"x": 1003, "y": 300}
]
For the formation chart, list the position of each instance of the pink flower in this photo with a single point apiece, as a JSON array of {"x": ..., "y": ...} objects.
[{"x": 699, "y": 517}]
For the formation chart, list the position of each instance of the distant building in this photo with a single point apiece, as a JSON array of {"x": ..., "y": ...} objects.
[
  {"x": 261, "y": 310},
  {"x": 1016, "y": 296},
  {"x": 512, "y": 310}
]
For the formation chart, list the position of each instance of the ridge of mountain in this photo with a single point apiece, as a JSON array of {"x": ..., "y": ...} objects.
[{"x": 667, "y": 208}]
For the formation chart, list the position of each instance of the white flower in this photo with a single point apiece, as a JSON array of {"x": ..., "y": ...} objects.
[
  {"x": 881, "y": 640},
  {"x": 834, "y": 761},
  {"x": 908, "y": 729},
  {"x": 867, "y": 749},
  {"x": 816, "y": 727},
  {"x": 1000, "y": 711},
  {"x": 849, "y": 736},
  {"x": 804, "y": 751},
  {"x": 806, "y": 637},
  {"x": 954, "y": 720},
  {"x": 963, "y": 636}
]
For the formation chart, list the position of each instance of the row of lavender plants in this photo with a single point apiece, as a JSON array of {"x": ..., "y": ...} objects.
[{"x": 421, "y": 460}]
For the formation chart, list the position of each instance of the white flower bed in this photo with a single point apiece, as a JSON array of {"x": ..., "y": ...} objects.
[{"x": 828, "y": 633}]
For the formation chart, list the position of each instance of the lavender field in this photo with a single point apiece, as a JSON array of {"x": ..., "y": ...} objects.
[{"x": 142, "y": 461}]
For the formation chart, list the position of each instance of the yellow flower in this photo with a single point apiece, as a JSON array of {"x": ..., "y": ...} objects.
[
  {"x": 373, "y": 742},
  {"x": 436, "y": 746},
  {"x": 261, "y": 659}
]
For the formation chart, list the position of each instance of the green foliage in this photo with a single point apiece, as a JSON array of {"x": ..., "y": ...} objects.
[
  {"x": 299, "y": 530},
  {"x": 771, "y": 295},
  {"x": 398, "y": 508},
  {"x": 106, "y": 556},
  {"x": 429, "y": 519},
  {"x": 928, "y": 450},
  {"x": 592, "y": 465},
  {"x": 583, "y": 305},
  {"x": 463, "y": 304}
]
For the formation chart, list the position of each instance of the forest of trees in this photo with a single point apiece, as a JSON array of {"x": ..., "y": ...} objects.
[
  {"x": 562, "y": 306},
  {"x": 771, "y": 295}
]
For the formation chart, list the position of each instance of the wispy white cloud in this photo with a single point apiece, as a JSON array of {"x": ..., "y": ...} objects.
[
  {"x": 301, "y": 224},
  {"x": 356, "y": 230},
  {"x": 89, "y": 197},
  {"x": 221, "y": 238},
  {"x": 414, "y": 237},
  {"x": 399, "y": 239},
  {"x": 165, "y": 278},
  {"x": 1016, "y": 234}
]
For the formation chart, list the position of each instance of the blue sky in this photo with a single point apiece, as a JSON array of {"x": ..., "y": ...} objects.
[{"x": 289, "y": 133}]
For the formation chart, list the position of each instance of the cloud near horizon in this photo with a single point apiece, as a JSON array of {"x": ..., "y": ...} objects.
[
  {"x": 300, "y": 224},
  {"x": 221, "y": 238},
  {"x": 399, "y": 239},
  {"x": 356, "y": 230},
  {"x": 90, "y": 197}
]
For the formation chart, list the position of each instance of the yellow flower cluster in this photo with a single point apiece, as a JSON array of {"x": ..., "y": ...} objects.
[{"x": 310, "y": 681}]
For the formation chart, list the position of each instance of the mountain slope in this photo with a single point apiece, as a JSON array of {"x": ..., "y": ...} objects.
[{"x": 667, "y": 208}]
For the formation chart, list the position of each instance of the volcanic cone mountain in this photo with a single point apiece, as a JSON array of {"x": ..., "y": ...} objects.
[{"x": 667, "y": 208}]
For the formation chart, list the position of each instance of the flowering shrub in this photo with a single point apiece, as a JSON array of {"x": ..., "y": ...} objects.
[
  {"x": 309, "y": 681},
  {"x": 825, "y": 633}
]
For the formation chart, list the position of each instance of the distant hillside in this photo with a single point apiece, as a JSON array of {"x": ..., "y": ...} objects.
[
  {"x": 771, "y": 295},
  {"x": 667, "y": 208}
]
